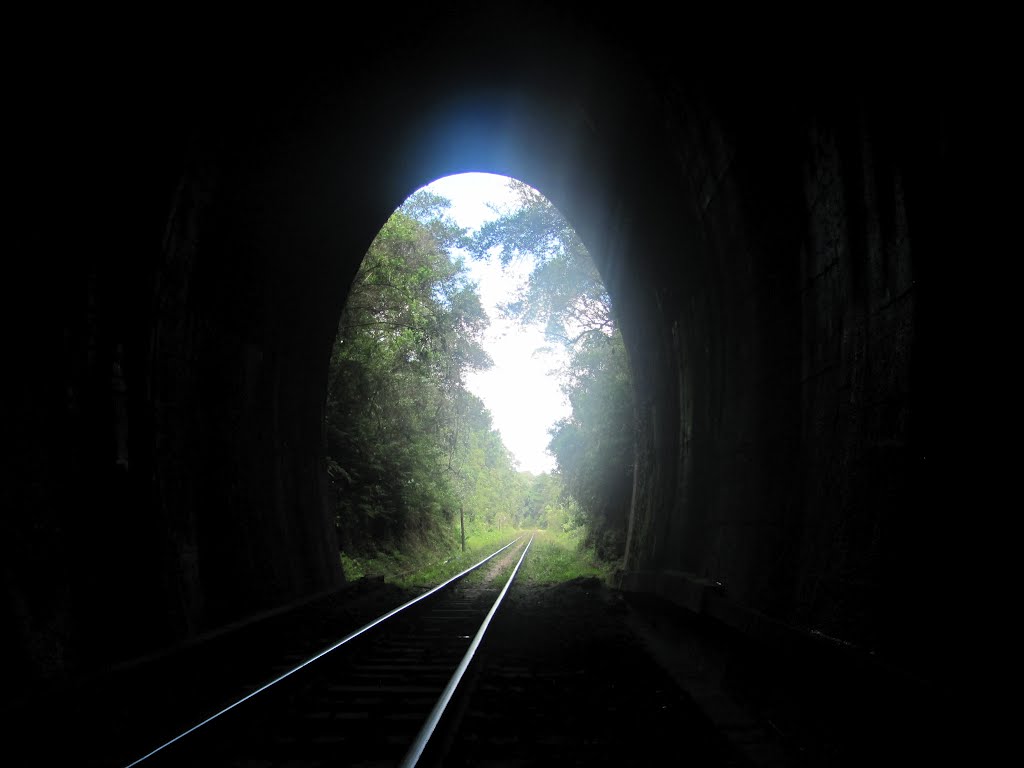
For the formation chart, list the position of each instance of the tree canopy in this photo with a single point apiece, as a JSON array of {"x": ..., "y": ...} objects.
[
  {"x": 593, "y": 447},
  {"x": 410, "y": 448},
  {"x": 408, "y": 445}
]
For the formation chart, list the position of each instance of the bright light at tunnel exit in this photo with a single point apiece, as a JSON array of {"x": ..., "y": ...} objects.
[{"x": 520, "y": 390}]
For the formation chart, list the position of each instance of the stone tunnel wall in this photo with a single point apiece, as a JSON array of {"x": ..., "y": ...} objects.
[
  {"x": 791, "y": 378},
  {"x": 761, "y": 232}
]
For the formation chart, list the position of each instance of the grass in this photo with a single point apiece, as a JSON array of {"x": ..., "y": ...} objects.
[
  {"x": 554, "y": 557},
  {"x": 427, "y": 567}
]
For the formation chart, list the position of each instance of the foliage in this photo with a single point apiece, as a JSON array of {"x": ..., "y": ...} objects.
[
  {"x": 411, "y": 451},
  {"x": 547, "y": 505},
  {"x": 408, "y": 445},
  {"x": 426, "y": 567},
  {"x": 565, "y": 291},
  {"x": 556, "y": 556},
  {"x": 593, "y": 446}
]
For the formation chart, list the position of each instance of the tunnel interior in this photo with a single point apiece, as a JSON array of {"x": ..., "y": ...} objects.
[{"x": 772, "y": 235}]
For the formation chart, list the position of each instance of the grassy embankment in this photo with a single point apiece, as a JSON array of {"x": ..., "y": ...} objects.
[{"x": 554, "y": 557}]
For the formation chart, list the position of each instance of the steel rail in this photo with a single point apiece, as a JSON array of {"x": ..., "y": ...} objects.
[
  {"x": 427, "y": 730},
  {"x": 348, "y": 638}
]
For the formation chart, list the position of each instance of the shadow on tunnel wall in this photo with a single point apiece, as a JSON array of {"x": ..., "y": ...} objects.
[{"x": 772, "y": 236}]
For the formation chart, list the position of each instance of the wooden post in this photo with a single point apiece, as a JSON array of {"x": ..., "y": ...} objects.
[{"x": 462, "y": 524}]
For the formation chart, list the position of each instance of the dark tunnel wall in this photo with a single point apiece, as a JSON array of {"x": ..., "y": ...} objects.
[
  {"x": 769, "y": 234},
  {"x": 784, "y": 378}
]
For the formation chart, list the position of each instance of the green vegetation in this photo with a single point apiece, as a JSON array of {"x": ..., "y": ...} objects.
[
  {"x": 425, "y": 567},
  {"x": 412, "y": 453},
  {"x": 593, "y": 447},
  {"x": 556, "y": 556},
  {"x": 409, "y": 447}
]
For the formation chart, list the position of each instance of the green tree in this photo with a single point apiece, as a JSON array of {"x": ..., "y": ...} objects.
[
  {"x": 593, "y": 447},
  {"x": 410, "y": 331},
  {"x": 546, "y": 504},
  {"x": 408, "y": 445}
]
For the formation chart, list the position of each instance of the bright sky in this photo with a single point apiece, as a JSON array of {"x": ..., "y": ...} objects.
[{"x": 524, "y": 400}]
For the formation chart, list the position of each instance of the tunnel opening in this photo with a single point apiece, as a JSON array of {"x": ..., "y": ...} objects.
[{"x": 473, "y": 325}]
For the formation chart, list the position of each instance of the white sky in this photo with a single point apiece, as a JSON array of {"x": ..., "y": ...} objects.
[{"x": 522, "y": 396}]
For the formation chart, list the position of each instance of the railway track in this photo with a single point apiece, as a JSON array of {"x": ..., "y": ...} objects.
[{"x": 376, "y": 697}]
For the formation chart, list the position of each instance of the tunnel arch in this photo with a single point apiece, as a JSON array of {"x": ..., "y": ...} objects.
[
  {"x": 519, "y": 145},
  {"x": 760, "y": 229},
  {"x": 654, "y": 250},
  {"x": 298, "y": 172}
]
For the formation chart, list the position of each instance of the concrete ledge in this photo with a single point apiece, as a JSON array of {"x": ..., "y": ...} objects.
[
  {"x": 684, "y": 589},
  {"x": 706, "y": 597},
  {"x": 784, "y": 694}
]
